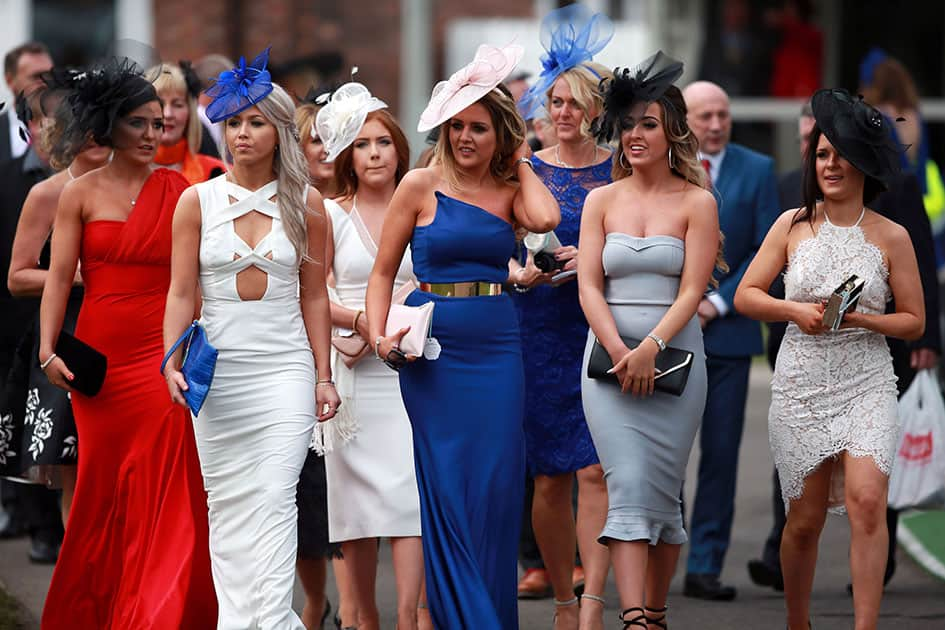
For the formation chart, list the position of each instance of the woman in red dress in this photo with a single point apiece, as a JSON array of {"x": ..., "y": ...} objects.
[{"x": 135, "y": 554}]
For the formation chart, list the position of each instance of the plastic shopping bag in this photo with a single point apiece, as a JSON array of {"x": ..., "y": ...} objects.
[{"x": 918, "y": 474}]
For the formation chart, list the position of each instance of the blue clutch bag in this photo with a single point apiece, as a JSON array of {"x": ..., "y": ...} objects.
[{"x": 200, "y": 361}]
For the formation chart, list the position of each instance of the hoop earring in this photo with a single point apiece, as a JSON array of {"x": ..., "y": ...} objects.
[
  {"x": 626, "y": 166},
  {"x": 671, "y": 165}
]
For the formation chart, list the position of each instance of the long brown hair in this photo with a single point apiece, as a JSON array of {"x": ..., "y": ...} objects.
[
  {"x": 684, "y": 148},
  {"x": 345, "y": 178},
  {"x": 509, "y": 135}
]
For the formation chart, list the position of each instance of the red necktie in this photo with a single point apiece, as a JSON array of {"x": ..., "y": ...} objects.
[{"x": 708, "y": 170}]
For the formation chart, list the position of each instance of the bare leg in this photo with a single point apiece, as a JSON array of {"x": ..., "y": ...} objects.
[
  {"x": 68, "y": 489},
  {"x": 553, "y": 522},
  {"x": 424, "y": 620},
  {"x": 865, "y": 488},
  {"x": 630, "y": 565},
  {"x": 660, "y": 568},
  {"x": 312, "y": 575},
  {"x": 347, "y": 598},
  {"x": 361, "y": 562},
  {"x": 595, "y": 557},
  {"x": 805, "y": 521},
  {"x": 408, "y": 572}
]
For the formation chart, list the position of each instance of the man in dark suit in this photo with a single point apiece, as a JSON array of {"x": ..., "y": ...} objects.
[
  {"x": 745, "y": 187},
  {"x": 22, "y": 68},
  {"x": 903, "y": 204}
]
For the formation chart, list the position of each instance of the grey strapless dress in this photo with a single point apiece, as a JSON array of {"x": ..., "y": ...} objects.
[{"x": 644, "y": 443}]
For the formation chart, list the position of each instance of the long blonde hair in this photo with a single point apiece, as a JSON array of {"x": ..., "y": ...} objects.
[
  {"x": 683, "y": 156},
  {"x": 509, "y": 135},
  {"x": 290, "y": 167}
]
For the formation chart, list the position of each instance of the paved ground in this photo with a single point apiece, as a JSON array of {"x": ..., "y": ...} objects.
[{"x": 914, "y": 600}]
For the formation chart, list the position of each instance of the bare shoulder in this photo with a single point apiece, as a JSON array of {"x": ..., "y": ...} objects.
[
  {"x": 699, "y": 199},
  {"x": 47, "y": 192},
  {"x": 887, "y": 232},
  {"x": 188, "y": 208},
  {"x": 421, "y": 180},
  {"x": 314, "y": 200}
]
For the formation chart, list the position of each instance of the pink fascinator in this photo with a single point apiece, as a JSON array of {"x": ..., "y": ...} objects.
[
  {"x": 340, "y": 120},
  {"x": 487, "y": 70}
]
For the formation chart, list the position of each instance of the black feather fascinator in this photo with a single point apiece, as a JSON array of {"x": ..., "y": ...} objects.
[
  {"x": 194, "y": 86},
  {"x": 88, "y": 101},
  {"x": 627, "y": 94}
]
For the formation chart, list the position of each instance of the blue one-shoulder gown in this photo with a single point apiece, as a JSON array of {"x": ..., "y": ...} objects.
[{"x": 466, "y": 410}]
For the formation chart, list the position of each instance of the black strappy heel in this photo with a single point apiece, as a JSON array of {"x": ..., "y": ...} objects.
[
  {"x": 638, "y": 621},
  {"x": 660, "y": 620}
]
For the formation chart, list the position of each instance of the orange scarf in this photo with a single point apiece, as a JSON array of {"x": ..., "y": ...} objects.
[{"x": 179, "y": 153}]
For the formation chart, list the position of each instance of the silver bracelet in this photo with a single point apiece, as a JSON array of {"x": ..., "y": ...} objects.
[
  {"x": 658, "y": 340},
  {"x": 45, "y": 364},
  {"x": 525, "y": 160}
]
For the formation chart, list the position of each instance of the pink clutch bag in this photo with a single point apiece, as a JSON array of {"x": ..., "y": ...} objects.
[{"x": 418, "y": 318}]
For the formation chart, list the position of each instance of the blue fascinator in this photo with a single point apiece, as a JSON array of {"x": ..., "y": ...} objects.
[
  {"x": 571, "y": 35},
  {"x": 239, "y": 88}
]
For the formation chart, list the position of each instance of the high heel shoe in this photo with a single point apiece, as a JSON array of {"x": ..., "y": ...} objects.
[
  {"x": 325, "y": 613},
  {"x": 639, "y": 621},
  {"x": 659, "y": 620},
  {"x": 565, "y": 604}
]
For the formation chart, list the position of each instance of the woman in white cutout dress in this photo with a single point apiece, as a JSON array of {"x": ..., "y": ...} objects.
[{"x": 259, "y": 254}]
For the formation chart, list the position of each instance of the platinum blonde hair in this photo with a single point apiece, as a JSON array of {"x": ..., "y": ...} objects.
[{"x": 290, "y": 166}]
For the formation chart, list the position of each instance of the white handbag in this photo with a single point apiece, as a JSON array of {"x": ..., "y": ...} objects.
[{"x": 418, "y": 318}]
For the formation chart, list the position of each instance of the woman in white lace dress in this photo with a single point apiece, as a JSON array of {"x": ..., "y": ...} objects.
[{"x": 833, "y": 423}]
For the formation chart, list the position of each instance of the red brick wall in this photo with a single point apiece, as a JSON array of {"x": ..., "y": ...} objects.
[{"x": 366, "y": 32}]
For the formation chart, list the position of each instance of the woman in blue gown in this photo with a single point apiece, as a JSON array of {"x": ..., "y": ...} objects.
[{"x": 465, "y": 398}]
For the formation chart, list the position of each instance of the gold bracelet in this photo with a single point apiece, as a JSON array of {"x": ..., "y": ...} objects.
[{"x": 357, "y": 316}]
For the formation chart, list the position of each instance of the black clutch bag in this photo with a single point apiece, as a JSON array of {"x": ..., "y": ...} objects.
[
  {"x": 672, "y": 365},
  {"x": 87, "y": 364}
]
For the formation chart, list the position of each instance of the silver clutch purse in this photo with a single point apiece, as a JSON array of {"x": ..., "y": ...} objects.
[{"x": 843, "y": 299}]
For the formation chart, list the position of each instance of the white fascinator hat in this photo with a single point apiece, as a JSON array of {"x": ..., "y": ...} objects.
[
  {"x": 483, "y": 74},
  {"x": 342, "y": 117}
]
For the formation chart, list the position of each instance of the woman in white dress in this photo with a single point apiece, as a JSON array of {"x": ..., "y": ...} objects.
[
  {"x": 372, "y": 483},
  {"x": 255, "y": 238},
  {"x": 833, "y": 421}
]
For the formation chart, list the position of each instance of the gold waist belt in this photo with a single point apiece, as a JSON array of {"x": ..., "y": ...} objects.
[{"x": 461, "y": 289}]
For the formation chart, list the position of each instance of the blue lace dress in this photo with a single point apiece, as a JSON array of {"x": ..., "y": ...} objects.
[{"x": 554, "y": 331}]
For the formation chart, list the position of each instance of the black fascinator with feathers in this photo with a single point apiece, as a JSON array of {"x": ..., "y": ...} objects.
[
  {"x": 194, "y": 85},
  {"x": 95, "y": 98},
  {"x": 627, "y": 94}
]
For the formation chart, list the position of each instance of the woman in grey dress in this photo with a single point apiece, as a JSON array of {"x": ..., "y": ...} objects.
[{"x": 649, "y": 243}]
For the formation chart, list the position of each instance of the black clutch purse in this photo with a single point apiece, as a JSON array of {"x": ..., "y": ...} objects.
[
  {"x": 672, "y": 365},
  {"x": 87, "y": 364}
]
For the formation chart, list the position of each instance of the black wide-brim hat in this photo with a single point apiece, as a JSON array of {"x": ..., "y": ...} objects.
[{"x": 859, "y": 132}]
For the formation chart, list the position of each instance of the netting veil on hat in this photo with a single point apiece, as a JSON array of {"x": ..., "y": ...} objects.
[
  {"x": 631, "y": 89},
  {"x": 342, "y": 117},
  {"x": 571, "y": 36}
]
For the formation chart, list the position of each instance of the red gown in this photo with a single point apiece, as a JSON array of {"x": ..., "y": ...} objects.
[{"x": 136, "y": 552}]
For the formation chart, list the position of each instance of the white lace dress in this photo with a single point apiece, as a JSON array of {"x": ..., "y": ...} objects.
[{"x": 836, "y": 391}]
